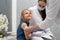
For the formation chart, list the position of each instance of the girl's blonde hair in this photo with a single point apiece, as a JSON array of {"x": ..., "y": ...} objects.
[{"x": 22, "y": 13}]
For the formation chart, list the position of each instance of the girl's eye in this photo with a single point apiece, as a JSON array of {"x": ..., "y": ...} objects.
[{"x": 26, "y": 13}]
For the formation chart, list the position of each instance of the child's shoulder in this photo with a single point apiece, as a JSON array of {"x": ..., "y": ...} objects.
[{"x": 24, "y": 25}]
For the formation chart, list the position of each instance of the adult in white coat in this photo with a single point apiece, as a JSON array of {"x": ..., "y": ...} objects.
[{"x": 46, "y": 21}]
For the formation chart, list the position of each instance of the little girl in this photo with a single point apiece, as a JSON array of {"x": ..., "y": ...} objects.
[
  {"x": 24, "y": 23},
  {"x": 25, "y": 17}
]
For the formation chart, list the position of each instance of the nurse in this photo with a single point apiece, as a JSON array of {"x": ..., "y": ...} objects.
[{"x": 44, "y": 15}]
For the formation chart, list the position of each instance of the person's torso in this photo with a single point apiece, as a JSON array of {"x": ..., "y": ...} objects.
[{"x": 20, "y": 32}]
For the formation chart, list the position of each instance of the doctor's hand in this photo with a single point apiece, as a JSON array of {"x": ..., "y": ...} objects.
[
  {"x": 29, "y": 29},
  {"x": 53, "y": 37},
  {"x": 32, "y": 28}
]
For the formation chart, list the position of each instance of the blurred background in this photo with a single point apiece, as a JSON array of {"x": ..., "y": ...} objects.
[
  {"x": 6, "y": 9},
  {"x": 23, "y": 4}
]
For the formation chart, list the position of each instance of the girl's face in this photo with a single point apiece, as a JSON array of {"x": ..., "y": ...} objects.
[
  {"x": 27, "y": 15},
  {"x": 41, "y": 4}
]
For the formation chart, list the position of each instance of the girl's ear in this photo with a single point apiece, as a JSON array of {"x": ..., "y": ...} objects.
[{"x": 22, "y": 17}]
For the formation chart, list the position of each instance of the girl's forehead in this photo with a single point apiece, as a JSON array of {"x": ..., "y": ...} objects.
[{"x": 26, "y": 11}]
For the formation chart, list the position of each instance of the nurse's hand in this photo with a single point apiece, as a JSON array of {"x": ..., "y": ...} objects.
[
  {"x": 28, "y": 29},
  {"x": 53, "y": 37},
  {"x": 32, "y": 28}
]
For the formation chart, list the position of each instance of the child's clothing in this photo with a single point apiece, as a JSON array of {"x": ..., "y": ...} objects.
[{"x": 20, "y": 32}]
